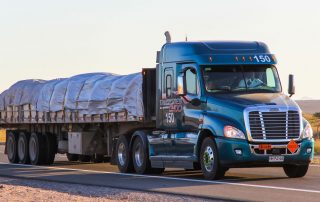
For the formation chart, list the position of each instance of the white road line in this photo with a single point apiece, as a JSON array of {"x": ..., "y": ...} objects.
[{"x": 174, "y": 178}]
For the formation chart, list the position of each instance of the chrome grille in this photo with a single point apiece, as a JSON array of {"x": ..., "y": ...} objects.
[{"x": 274, "y": 125}]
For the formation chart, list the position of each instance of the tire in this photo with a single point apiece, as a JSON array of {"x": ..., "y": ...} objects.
[
  {"x": 23, "y": 148},
  {"x": 140, "y": 158},
  {"x": 295, "y": 171},
  {"x": 12, "y": 147},
  {"x": 209, "y": 160},
  {"x": 50, "y": 149},
  {"x": 72, "y": 157},
  {"x": 98, "y": 158},
  {"x": 84, "y": 158},
  {"x": 123, "y": 155},
  {"x": 36, "y": 149}
]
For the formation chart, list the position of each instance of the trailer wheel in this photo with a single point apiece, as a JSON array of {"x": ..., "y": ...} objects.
[
  {"x": 140, "y": 158},
  {"x": 295, "y": 171},
  {"x": 23, "y": 148},
  {"x": 51, "y": 148},
  {"x": 36, "y": 149},
  {"x": 210, "y": 161},
  {"x": 12, "y": 139},
  {"x": 123, "y": 155},
  {"x": 72, "y": 157}
]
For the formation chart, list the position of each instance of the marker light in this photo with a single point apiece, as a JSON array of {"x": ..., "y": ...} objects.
[{"x": 232, "y": 132}]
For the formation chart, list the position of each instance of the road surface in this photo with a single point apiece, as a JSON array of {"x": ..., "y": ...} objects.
[{"x": 254, "y": 184}]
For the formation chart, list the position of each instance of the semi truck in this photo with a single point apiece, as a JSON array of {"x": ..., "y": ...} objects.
[{"x": 208, "y": 105}]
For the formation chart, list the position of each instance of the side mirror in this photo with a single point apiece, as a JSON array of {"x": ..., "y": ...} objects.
[
  {"x": 181, "y": 87},
  {"x": 291, "y": 88}
]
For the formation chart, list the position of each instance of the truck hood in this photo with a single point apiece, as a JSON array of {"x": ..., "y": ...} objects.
[{"x": 245, "y": 100}]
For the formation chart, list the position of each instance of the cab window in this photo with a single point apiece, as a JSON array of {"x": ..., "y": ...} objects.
[{"x": 191, "y": 82}]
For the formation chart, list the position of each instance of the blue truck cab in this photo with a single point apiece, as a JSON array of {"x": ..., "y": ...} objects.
[{"x": 220, "y": 105}]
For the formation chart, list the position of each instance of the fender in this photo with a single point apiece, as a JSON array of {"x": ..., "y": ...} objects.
[{"x": 215, "y": 124}]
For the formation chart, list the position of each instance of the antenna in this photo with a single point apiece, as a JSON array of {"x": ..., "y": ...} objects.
[{"x": 168, "y": 37}]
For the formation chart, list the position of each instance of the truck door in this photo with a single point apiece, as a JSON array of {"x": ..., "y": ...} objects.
[
  {"x": 167, "y": 101},
  {"x": 191, "y": 115}
]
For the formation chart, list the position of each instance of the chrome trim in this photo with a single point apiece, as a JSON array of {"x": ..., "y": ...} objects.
[
  {"x": 283, "y": 146},
  {"x": 270, "y": 108}
]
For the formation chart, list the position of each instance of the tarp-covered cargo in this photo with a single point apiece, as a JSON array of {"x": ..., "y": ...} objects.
[{"x": 87, "y": 94}]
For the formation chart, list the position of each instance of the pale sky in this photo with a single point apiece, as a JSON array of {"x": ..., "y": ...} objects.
[{"x": 60, "y": 38}]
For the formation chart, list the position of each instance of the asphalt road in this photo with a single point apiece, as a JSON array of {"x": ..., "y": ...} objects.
[{"x": 253, "y": 184}]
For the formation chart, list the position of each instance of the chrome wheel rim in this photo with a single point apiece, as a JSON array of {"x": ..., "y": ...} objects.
[
  {"x": 10, "y": 148},
  {"x": 122, "y": 154},
  {"x": 138, "y": 155},
  {"x": 208, "y": 159},
  {"x": 21, "y": 148},
  {"x": 32, "y": 149}
]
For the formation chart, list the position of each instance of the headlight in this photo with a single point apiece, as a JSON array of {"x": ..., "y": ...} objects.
[
  {"x": 307, "y": 132},
  {"x": 233, "y": 132}
]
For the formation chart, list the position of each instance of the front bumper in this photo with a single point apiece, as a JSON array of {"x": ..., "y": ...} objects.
[{"x": 228, "y": 157}]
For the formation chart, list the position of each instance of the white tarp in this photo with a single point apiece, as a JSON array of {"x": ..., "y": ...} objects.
[{"x": 93, "y": 93}]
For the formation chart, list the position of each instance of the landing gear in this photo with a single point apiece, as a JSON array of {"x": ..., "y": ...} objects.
[
  {"x": 12, "y": 144},
  {"x": 23, "y": 148},
  {"x": 84, "y": 158},
  {"x": 72, "y": 157},
  {"x": 295, "y": 171},
  {"x": 124, "y": 159},
  {"x": 209, "y": 160}
]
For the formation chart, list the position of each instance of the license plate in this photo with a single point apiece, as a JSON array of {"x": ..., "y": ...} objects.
[{"x": 276, "y": 158}]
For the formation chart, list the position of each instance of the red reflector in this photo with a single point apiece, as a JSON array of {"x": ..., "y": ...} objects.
[{"x": 264, "y": 146}]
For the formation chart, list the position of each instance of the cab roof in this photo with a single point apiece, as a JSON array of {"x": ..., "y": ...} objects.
[{"x": 189, "y": 51}]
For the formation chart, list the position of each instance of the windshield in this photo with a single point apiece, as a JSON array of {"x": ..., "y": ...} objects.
[{"x": 241, "y": 78}]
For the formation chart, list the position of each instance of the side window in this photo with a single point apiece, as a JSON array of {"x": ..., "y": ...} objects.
[
  {"x": 191, "y": 81},
  {"x": 168, "y": 85}
]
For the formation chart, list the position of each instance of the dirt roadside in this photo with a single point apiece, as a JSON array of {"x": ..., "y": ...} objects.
[{"x": 34, "y": 190}]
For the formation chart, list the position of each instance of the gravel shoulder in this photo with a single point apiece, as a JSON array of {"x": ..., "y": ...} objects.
[{"x": 34, "y": 190}]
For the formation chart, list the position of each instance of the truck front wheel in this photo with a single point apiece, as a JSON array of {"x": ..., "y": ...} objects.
[
  {"x": 209, "y": 160},
  {"x": 12, "y": 144},
  {"x": 295, "y": 171},
  {"x": 124, "y": 160}
]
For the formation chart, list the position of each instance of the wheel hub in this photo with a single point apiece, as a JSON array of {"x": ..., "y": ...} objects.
[
  {"x": 122, "y": 154},
  {"x": 208, "y": 159},
  {"x": 139, "y": 155}
]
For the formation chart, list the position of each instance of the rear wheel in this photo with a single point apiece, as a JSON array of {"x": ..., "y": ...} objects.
[
  {"x": 209, "y": 160},
  {"x": 36, "y": 149},
  {"x": 23, "y": 148},
  {"x": 140, "y": 158},
  {"x": 295, "y": 171},
  {"x": 72, "y": 157},
  {"x": 123, "y": 156},
  {"x": 12, "y": 144},
  {"x": 51, "y": 148}
]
